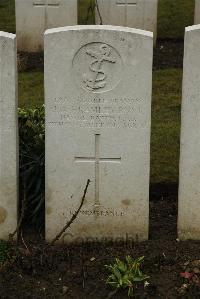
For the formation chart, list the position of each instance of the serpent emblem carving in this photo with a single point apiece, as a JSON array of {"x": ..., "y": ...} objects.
[{"x": 97, "y": 77}]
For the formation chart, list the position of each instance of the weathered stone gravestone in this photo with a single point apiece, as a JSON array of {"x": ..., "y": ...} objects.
[
  {"x": 8, "y": 135},
  {"x": 98, "y": 112},
  {"x": 189, "y": 173},
  {"x": 197, "y": 12},
  {"x": 141, "y": 14},
  {"x": 33, "y": 17}
]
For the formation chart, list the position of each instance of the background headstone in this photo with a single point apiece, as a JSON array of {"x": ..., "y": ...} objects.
[
  {"x": 197, "y": 12},
  {"x": 8, "y": 135},
  {"x": 189, "y": 173},
  {"x": 98, "y": 82},
  {"x": 141, "y": 14},
  {"x": 33, "y": 17}
]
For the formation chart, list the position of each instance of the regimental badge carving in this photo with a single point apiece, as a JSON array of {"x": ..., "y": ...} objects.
[{"x": 97, "y": 67}]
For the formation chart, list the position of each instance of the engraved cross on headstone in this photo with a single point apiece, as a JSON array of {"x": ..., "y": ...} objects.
[
  {"x": 126, "y": 2},
  {"x": 46, "y": 3},
  {"x": 97, "y": 160}
]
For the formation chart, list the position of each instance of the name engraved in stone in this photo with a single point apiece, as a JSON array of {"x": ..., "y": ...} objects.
[
  {"x": 100, "y": 213},
  {"x": 98, "y": 113}
]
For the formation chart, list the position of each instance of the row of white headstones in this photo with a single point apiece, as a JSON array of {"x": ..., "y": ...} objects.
[
  {"x": 33, "y": 17},
  {"x": 98, "y": 85}
]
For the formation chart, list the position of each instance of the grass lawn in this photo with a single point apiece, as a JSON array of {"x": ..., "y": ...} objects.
[
  {"x": 173, "y": 17},
  {"x": 166, "y": 110},
  {"x": 85, "y": 11},
  {"x": 7, "y": 15},
  {"x": 31, "y": 89}
]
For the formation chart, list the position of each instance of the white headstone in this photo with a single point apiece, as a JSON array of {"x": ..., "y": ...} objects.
[
  {"x": 98, "y": 83},
  {"x": 197, "y": 12},
  {"x": 189, "y": 188},
  {"x": 141, "y": 14},
  {"x": 8, "y": 135},
  {"x": 33, "y": 17}
]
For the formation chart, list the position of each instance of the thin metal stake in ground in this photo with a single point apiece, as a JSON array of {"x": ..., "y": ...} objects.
[{"x": 73, "y": 217}]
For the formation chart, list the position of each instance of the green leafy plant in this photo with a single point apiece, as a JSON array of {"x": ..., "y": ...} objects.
[
  {"x": 125, "y": 275},
  {"x": 32, "y": 162}
]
